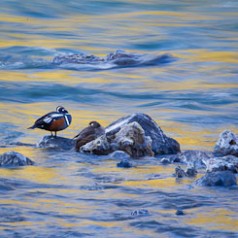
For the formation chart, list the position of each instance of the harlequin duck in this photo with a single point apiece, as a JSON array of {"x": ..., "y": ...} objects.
[
  {"x": 54, "y": 121},
  {"x": 88, "y": 134}
]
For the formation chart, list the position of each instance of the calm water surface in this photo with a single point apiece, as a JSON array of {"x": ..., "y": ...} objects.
[{"x": 192, "y": 98}]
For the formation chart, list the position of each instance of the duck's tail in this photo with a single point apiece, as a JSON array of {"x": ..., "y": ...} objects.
[{"x": 32, "y": 127}]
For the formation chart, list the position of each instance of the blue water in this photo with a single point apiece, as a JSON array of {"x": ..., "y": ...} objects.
[{"x": 192, "y": 95}]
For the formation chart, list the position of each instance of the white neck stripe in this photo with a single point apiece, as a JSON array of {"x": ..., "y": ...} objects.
[{"x": 66, "y": 119}]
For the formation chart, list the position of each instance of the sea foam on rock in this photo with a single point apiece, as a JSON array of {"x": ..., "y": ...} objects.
[
  {"x": 137, "y": 134},
  {"x": 13, "y": 158}
]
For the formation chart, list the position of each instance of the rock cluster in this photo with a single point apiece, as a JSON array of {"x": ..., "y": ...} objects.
[{"x": 138, "y": 135}]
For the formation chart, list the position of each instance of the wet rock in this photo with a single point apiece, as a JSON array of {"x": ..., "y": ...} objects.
[
  {"x": 170, "y": 159},
  {"x": 119, "y": 155},
  {"x": 227, "y": 144},
  {"x": 140, "y": 212},
  {"x": 56, "y": 143},
  {"x": 137, "y": 135},
  {"x": 130, "y": 139},
  {"x": 180, "y": 173},
  {"x": 13, "y": 158},
  {"x": 179, "y": 212},
  {"x": 219, "y": 178},
  {"x": 192, "y": 158},
  {"x": 191, "y": 172},
  {"x": 100, "y": 146},
  {"x": 124, "y": 164},
  {"x": 224, "y": 163}
]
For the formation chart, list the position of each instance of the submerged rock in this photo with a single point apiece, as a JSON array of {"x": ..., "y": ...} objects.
[
  {"x": 124, "y": 164},
  {"x": 227, "y": 144},
  {"x": 219, "y": 178},
  {"x": 57, "y": 143},
  {"x": 13, "y": 158},
  {"x": 119, "y": 58},
  {"x": 137, "y": 135},
  {"x": 140, "y": 212},
  {"x": 179, "y": 212},
  {"x": 119, "y": 155}
]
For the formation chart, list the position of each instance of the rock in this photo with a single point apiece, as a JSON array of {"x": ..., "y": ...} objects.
[
  {"x": 227, "y": 144},
  {"x": 219, "y": 178},
  {"x": 119, "y": 155},
  {"x": 137, "y": 134},
  {"x": 179, "y": 212},
  {"x": 124, "y": 164},
  {"x": 13, "y": 158},
  {"x": 169, "y": 159},
  {"x": 191, "y": 172},
  {"x": 228, "y": 162},
  {"x": 100, "y": 146},
  {"x": 56, "y": 143},
  {"x": 140, "y": 212},
  {"x": 180, "y": 173},
  {"x": 192, "y": 158},
  {"x": 130, "y": 139}
]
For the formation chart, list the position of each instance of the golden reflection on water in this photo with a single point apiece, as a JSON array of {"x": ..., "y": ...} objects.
[
  {"x": 23, "y": 115},
  {"x": 219, "y": 218},
  {"x": 210, "y": 56},
  {"x": 32, "y": 173}
]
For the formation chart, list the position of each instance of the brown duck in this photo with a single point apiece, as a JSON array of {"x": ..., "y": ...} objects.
[{"x": 88, "y": 134}]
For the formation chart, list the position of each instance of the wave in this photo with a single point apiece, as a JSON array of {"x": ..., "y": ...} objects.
[{"x": 14, "y": 58}]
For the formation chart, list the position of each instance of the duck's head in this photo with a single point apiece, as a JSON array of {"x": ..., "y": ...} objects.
[{"x": 61, "y": 109}]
